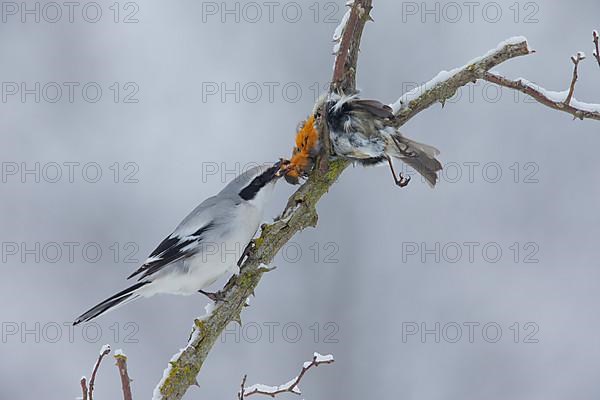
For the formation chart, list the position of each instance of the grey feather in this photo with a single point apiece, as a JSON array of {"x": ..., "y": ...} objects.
[
  {"x": 186, "y": 239},
  {"x": 374, "y": 107}
]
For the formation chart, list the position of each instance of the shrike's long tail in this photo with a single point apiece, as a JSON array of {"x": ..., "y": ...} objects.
[{"x": 128, "y": 295}]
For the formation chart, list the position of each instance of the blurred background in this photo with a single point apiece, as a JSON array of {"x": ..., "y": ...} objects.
[{"x": 119, "y": 118}]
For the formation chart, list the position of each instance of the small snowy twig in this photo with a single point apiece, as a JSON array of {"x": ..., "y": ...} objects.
[
  {"x": 103, "y": 352},
  {"x": 84, "y": 389},
  {"x": 576, "y": 59},
  {"x": 88, "y": 391},
  {"x": 562, "y": 101},
  {"x": 125, "y": 381},
  {"x": 541, "y": 95},
  {"x": 289, "y": 387},
  {"x": 597, "y": 52}
]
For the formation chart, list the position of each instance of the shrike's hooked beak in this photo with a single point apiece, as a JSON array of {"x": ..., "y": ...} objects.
[
  {"x": 282, "y": 167},
  {"x": 288, "y": 171}
]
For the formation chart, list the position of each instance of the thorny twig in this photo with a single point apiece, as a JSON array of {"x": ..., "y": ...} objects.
[
  {"x": 289, "y": 387},
  {"x": 105, "y": 350},
  {"x": 84, "y": 388},
  {"x": 597, "y": 52},
  {"x": 241, "y": 393},
  {"x": 125, "y": 380},
  {"x": 576, "y": 59}
]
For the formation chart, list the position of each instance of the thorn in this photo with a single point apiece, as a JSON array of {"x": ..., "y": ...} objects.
[
  {"x": 266, "y": 269},
  {"x": 196, "y": 383},
  {"x": 238, "y": 319}
]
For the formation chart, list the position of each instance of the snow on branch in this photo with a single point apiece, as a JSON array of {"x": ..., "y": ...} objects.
[
  {"x": 88, "y": 391},
  {"x": 555, "y": 100},
  {"x": 103, "y": 352},
  {"x": 121, "y": 362},
  {"x": 446, "y": 83},
  {"x": 347, "y": 37},
  {"x": 289, "y": 387},
  {"x": 561, "y": 101}
]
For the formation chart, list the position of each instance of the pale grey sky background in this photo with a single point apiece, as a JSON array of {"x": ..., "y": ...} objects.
[{"x": 372, "y": 278}]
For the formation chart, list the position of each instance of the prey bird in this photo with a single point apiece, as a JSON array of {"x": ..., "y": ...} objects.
[{"x": 363, "y": 131}]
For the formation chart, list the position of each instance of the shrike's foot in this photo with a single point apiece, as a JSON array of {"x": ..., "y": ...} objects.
[{"x": 217, "y": 297}]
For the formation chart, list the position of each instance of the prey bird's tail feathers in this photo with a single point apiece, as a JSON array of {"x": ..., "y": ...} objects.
[
  {"x": 419, "y": 156},
  {"x": 119, "y": 299}
]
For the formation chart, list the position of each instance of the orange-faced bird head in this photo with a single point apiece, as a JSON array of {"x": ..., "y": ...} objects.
[{"x": 304, "y": 154}]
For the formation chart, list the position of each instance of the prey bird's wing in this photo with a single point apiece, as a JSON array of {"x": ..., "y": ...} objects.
[
  {"x": 187, "y": 238},
  {"x": 374, "y": 107}
]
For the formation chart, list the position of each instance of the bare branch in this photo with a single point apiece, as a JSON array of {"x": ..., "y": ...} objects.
[
  {"x": 103, "y": 352},
  {"x": 579, "y": 110},
  {"x": 445, "y": 85},
  {"x": 344, "y": 70},
  {"x": 84, "y": 388},
  {"x": 289, "y": 387},
  {"x": 597, "y": 45},
  {"x": 125, "y": 381},
  {"x": 576, "y": 59}
]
